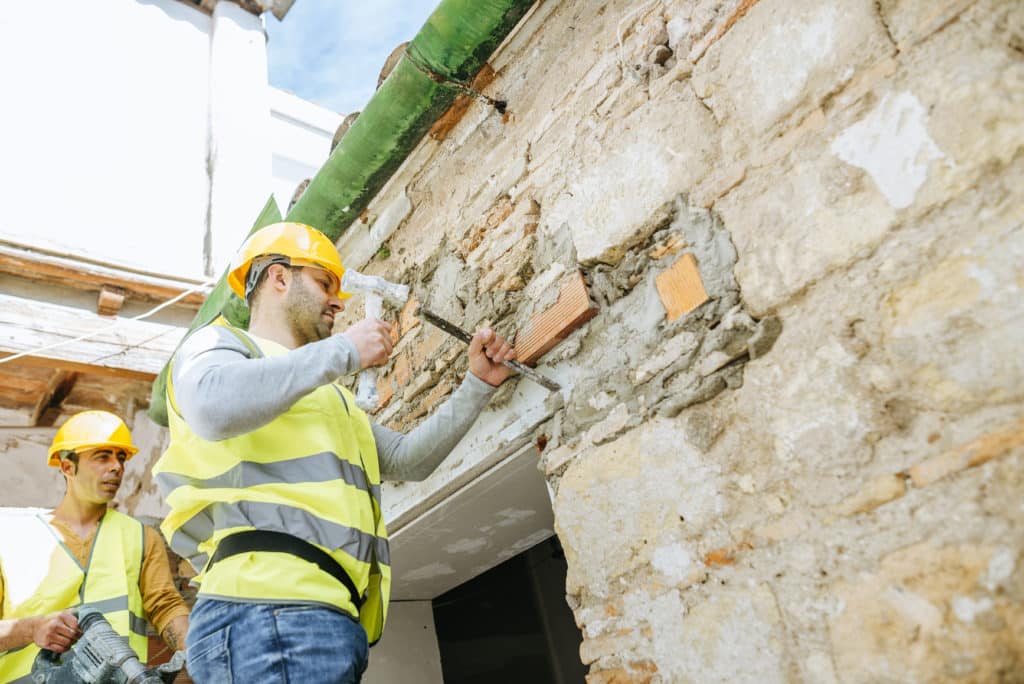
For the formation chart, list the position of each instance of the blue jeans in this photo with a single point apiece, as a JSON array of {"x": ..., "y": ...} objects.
[{"x": 274, "y": 643}]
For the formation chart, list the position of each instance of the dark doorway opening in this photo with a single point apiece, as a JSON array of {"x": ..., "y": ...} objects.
[{"x": 511, "y": 624}]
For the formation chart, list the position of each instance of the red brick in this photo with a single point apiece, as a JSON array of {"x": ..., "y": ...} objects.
[
  {"x": 549, "y": 327},
  {"x": 681, "y": 288}
]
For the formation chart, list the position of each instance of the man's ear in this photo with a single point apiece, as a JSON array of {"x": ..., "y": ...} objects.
[
  {"x": 279, "y": 276},
  {"x": 68, "y": 467}
]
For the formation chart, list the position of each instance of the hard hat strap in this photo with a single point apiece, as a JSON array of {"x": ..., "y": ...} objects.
[{"x": 259, "y": 265}]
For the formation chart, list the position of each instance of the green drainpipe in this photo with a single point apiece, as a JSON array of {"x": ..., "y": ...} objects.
[{"x": 439, "y": 63}]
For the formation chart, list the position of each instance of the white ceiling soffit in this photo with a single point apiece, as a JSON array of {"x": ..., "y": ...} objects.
[{"x": 497, "y": 516}]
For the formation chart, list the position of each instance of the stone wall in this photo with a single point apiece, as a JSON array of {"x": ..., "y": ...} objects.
[{"x": 789, "y": 445}]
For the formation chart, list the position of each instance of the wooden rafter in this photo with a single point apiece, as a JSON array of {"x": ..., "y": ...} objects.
[
  {"x": 48, "y": 407},
  {"x": 83, "y": 275},
  {"x": 131, "y": 348}
]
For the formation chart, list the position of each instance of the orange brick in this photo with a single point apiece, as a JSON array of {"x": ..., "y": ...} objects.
[
  {"x": 423, "y": 351},
  {"x": 551, "y": 326},
  {"x": 494, "y": 217},
  {"x": 720, "y": 557},
  {"x": 406, "y": 320},
  {"x": 401, "y": 370},
  {"x": 681, "y": 288}
]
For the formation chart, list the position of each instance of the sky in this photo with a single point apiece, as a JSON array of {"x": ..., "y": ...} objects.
[{"x": 331, "y": 51}]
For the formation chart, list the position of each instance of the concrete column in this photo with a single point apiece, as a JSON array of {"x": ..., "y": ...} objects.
[
  {"x": 408, "y": 652},
  {"x": 239, "y": 148}
]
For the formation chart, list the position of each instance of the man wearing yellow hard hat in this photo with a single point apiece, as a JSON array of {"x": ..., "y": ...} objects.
[
  {"x": 273, "y": 473},
  {"x": 84, "y": 553}
]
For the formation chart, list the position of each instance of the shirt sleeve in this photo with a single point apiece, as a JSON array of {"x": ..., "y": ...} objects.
[
  {"x": 222, "y": 393},
  {"x": 416, "y": 455},
  {"x": 160, "y": 598}
]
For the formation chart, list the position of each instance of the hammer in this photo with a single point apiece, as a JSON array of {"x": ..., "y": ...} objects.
[{"x": 376, "y": 290}]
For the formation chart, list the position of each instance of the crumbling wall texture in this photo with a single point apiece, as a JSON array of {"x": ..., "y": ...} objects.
[{"x": 791, "y": 447}]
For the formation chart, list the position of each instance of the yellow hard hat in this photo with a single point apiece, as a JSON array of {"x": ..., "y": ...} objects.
[
  {"x": 302, "y": 245},
  {"x": 91, "y": 430}
]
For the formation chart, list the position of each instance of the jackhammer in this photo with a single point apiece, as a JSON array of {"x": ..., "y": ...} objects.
[{"x": 100, "y": 656}]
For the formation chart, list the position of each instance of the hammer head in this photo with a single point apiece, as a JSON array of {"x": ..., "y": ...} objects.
[{"x": 356, "y": 282}]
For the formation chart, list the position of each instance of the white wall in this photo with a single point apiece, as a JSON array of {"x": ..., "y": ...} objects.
[
  {"x": 300, "y": 136},
  {"x": 124, "y": 119},
  {"x": 103, "y": 130}
]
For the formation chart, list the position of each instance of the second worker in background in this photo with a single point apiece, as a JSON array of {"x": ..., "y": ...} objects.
[{"x": 273, "y": 473}]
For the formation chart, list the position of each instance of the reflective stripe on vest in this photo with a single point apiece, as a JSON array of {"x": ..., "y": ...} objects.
[
  {"x": 312, "y": 472},
  {"x": 42, "y": 576}
]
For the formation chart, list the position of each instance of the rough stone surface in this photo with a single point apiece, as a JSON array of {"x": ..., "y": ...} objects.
[{"x": 815, "y": 475}]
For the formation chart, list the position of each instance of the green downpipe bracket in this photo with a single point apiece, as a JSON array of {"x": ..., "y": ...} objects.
[{"x": 439, "y": 64}]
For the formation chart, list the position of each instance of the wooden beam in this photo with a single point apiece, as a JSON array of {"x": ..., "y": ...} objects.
[
  {"x": 64, "y": 364},
  {"x": 47, "y": 409},
  {"x": 83, "y": 275},
  {"x": 132, "y": 346},
  {"x": 110, "y": 301}
]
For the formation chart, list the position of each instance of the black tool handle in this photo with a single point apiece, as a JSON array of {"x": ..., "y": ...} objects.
[{"x": 460, "y": 334}]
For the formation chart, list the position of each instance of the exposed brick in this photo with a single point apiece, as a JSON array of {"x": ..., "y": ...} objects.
[
  {"x": 440, "y": 390},
  {"x": 981, "y": 450},
  {"x": 423, "y": 350},
  {"x": 401, "y": 371},
  {"x": 879, "y": 491},
  {"x": 494, "y": 217},
  {"x": 720, "y": 557},
  {"x": 551, "y": 326},
  {"x": 406, "y": 320},
  {"x": 443, "y": 126},
  {"x": 681, "y": 288}
]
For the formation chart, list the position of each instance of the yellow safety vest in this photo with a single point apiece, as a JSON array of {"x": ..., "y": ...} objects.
[
  {"x": 312, "y": 472},
  {"x": 42, "y": 576}
]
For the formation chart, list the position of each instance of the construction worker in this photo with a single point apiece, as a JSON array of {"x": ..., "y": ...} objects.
[
  {"x": 84, "y": 553},
  {"x": 273, "y": 473}
]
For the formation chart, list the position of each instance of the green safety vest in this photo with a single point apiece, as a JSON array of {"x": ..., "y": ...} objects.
[
  {"x": 42, "y": 576},
  {"x": 312, "y": 472}
]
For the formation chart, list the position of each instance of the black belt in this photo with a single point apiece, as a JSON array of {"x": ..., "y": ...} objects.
[{"x": 280, "y": 542}]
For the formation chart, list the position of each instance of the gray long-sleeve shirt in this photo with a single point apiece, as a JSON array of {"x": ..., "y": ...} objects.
[{"x": 222, "y": 392}]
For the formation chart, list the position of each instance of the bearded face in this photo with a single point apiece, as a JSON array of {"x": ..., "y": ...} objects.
[{"x": 310, "y": 306}]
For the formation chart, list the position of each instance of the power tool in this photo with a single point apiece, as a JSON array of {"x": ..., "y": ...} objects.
[{"x": 100, "y": 656}]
